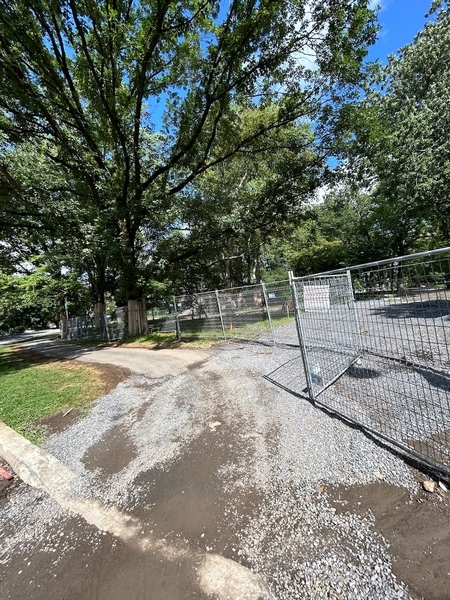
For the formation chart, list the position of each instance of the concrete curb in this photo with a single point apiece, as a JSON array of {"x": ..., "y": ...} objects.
[
  {"x": 216, "y": 575},
  {"x": 33, "y": 465}
]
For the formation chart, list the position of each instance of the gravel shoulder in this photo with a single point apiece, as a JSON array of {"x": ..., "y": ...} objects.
[{"x": 215, "y": 459}]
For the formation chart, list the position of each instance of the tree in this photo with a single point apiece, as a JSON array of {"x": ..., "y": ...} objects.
[
  {"x": 84, "y": 80},
  {"x": 236, "y": 208},
  {"x": 403, "y": 139},
  {"x": 37, "y": 299},
  {"x": 344, "y": 229}
]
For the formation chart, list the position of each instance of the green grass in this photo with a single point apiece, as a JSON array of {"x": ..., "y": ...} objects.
[
  {"x": 32, "y": 388},
  {"x": 170, "y": 340}
]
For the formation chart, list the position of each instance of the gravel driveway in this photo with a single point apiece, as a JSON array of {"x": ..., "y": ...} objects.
[{"x": 218, "y": 461}]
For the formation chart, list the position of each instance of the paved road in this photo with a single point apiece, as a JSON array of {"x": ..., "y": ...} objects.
[
  {"x": 144, "y": 361},
  {"x": 19, "y": 338}
]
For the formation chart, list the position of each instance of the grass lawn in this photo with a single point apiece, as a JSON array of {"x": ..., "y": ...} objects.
[{"x": 32, "y": 387}]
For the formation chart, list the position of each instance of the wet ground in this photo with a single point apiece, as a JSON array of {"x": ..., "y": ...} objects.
[{"x": 200, "y": 461}]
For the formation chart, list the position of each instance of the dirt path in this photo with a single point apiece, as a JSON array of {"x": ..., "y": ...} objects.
[{"x": 145, "y": 361}]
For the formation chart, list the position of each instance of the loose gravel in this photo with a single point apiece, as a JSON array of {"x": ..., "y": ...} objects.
[{"x": 289, "y": 453}]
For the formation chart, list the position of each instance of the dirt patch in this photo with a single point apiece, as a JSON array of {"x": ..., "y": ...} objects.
[
  {"x": 417, "y": 527},
  {"x": 7, "y": 486},
  {"x": 109, "y": 376},
  {"x": 189, "y": 501},
  {"x": 197, "y": 365},
  {"x": 112, "y": 453},
  {"x": 77, "y": 561}
]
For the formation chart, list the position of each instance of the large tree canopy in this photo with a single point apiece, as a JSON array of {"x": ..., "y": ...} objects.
[
  {"x": 127, "y": 102},
  {"x": 403, "y": 138}
]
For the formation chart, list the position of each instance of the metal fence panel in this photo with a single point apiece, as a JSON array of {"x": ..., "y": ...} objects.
[
  {"x": 328, "y": 328},
  {"x": 100, "y": 327},
  {"x": 86, "y": 328},
  {"x": 253, "y": 312},
  {"x": 199, "y": 315},
  {"x": 281, "y": 311},
  {"x": 244, "y": 313},
  {"x": 398, "y": 381}
]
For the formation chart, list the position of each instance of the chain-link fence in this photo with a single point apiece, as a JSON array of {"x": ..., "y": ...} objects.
[
  {"x": 96, "y": 327},
  {"x": 374, "y": 342},
  {"x": 252, "y": 312}
]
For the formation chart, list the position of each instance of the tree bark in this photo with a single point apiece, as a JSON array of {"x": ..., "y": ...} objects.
[
  {"x": 137, "y": 317},
  {"x": 99, "y": 309}
]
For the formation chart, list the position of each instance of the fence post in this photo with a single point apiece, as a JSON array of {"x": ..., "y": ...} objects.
[
  {"x": 177, "y": 322},
  {"x": 266, "y": 302},
  {"x": 106, "y": 326},
  {"x": 352, "y": 306},
  {"x": 220, "y": 314},
  {"x": 301, "y": 338}
]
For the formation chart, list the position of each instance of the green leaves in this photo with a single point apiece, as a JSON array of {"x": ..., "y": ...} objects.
[
  {"x": 400, "y": 149},
  {"x": 86, "y": 85}
]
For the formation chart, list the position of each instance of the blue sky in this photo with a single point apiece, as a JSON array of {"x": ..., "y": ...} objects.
[{"x": 400, "y": 21}]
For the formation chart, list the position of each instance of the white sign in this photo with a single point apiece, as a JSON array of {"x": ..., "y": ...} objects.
[{"x": 316, "y": 297}]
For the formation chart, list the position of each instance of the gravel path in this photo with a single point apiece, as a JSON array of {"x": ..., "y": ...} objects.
[{"x": 269, "y": 443}]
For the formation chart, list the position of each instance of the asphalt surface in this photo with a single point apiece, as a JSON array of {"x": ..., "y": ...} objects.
[{"x": 144, "y": 361}]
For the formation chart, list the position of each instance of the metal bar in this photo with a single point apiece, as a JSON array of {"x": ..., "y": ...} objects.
[
  {"x": 352, "y": 308},
  {"x": 106, "y": 326},
  {"x": 336, "y": 377},
  {"x": 177, "y": 321},
  {"x": 301, "y": 339},
  {"x": 429, "y": 254},
  {"x": 220, "y": 314},
  {"x": 266, "y": 302}
]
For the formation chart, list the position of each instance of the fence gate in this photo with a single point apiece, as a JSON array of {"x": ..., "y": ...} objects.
[
  {"x": 375, "y": 348},
  {"x": 327, "y": 328}
]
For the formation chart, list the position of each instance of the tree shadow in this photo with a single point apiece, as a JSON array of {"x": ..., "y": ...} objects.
[
  {"x": 15, "y": 358},
  {"x": 430, "y": 309}
]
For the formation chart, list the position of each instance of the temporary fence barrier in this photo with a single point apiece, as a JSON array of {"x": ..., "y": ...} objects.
[
  {"x": 374, "y": 343},
  {"x": 252, "y": 312},
  {"x": 96, "y": 327}
]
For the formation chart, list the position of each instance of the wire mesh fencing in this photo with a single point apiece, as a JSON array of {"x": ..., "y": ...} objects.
[
  {"x": 199, "y": 315},
  {"x": 95, "y": 327},
  {"x": 245, "y": 313},
  {"x": 252, "y": 312},
  {"x": 374, "y": 341}
]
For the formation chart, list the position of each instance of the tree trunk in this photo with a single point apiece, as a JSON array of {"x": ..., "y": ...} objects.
[
  {"x": 137, "y": 317},
  {"x": 99, "y": 310}
]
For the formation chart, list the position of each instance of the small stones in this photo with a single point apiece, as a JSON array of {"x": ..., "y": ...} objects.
[
  {"x": 214, "y": 425},
  {"x": 429, "y": 486},
  {"x": 284, "y": 448}
]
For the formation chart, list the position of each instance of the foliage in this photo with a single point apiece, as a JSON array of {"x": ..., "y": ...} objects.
[
  {"x": 36, "y": 300},
  {"x": 235, "y": 209},
  {"x": 402, "y": 139},
  {"x": 84, "y": 85},
  {"x": 340, "y": 231}
]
